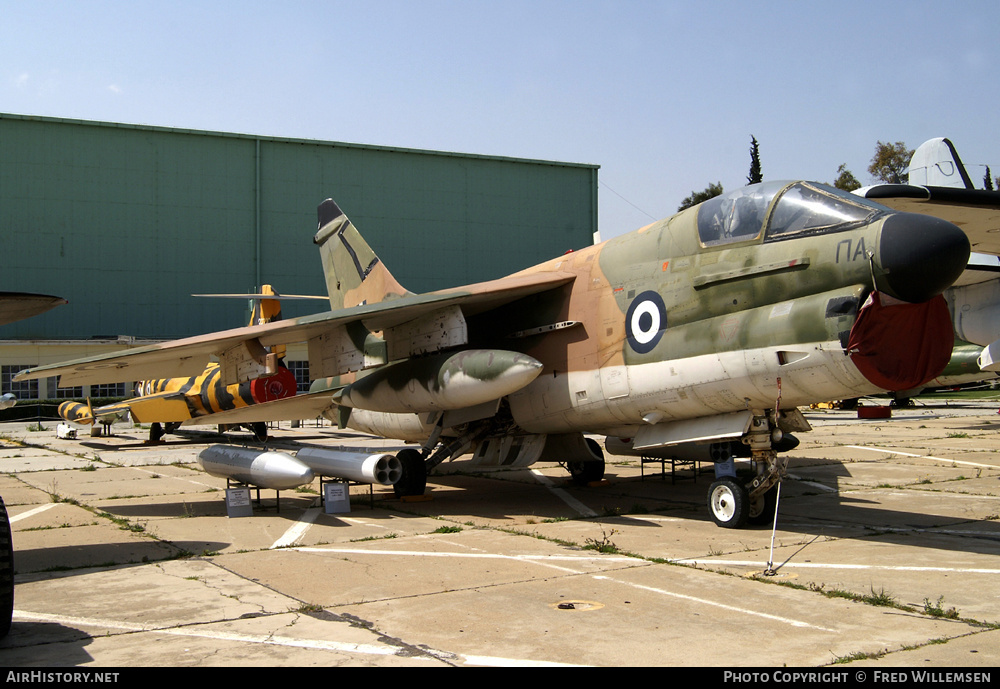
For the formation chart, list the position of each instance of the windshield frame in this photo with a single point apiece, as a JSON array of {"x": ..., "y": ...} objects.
[
  {"x": 736, "y": 217},
  {"x": 806, "y": 209}
]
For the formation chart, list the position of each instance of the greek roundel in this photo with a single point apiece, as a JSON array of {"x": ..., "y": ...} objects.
[{"x": 645, "y": 321}]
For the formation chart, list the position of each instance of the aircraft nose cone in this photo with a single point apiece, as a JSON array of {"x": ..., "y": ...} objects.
[{"x": 920, "y": 256}]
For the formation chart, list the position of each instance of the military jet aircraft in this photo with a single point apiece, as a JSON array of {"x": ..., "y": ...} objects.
[
  {"x": 709, "y": 327},
  {"x": 168, "y": 403}
]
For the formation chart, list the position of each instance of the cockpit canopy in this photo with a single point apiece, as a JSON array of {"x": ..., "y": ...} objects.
[{"x": 781, "y": 210}]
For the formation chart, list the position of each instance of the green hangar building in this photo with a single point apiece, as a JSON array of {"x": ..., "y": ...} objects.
[{"x": 127, "y": 222}]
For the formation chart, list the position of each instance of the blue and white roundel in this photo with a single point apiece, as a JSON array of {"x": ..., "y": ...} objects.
[{"x": 645, "y": 321}]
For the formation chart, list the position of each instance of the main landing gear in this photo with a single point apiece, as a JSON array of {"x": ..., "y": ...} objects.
[
  {"x": 413, "y": 480},
  {"x": 590, "y": 470},
  {"x": 582, "y": 457},
  {"x": 157, "y": 430}
]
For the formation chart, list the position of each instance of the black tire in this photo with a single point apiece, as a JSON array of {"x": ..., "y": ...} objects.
[
  {"x": 729, "y": 503},
  {"x": 762, "y": 510},
  {"x": 583, "y": 473},
  {"x": 413, "y": 480},
  {"x": 6, "y": 573},
  {"x": 588, "y": 471},
  {"x": 155, "y": 432}
]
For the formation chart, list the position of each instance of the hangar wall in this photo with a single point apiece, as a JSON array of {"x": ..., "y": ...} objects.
[{"x": 128, "y": 221}]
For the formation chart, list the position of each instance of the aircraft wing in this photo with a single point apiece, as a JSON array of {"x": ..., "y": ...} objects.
[
  {"x": 976, "y": 211},
  {"x": 303, "y": 406},
  {"x": 16, "y": 306},
  {"x": 189, "y": 356},
  {"x": 164, "y": 407}
]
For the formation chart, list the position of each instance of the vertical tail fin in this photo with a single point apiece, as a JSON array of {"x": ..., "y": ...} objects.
[
  {"x": 265, "y": 310},
  {"x": 936, "y": 163},
  {"x": 354, "y": 274}
]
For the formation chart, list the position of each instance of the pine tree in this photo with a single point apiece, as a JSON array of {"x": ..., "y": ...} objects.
[{"x": 755, "y": 176}]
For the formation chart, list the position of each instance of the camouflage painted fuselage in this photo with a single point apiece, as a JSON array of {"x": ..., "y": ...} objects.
[
  {"x": 766, "y": 298},
  {"x": 722, "y": 308},
  {"x": 672, "y": 326}
]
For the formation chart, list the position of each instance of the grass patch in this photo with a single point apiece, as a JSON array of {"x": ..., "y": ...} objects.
[
  {"x": 879, "y": 599},
  {"x": 447, "y": 529},
  {"x": 938, "y": 610},
  {"x": 603, "y": 544}
]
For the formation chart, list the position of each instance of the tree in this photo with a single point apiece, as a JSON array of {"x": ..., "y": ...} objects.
[
  {"x": 755, "y": 176},
  {"x": 696, "y": 197},
  {"x": 988, "y": 180},
  {"x": 846, "y": 180},
  {"x": 890, "y": 161}
]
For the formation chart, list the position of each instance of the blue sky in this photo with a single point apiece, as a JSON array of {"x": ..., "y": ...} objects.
[{"x": 664, "y": 96}]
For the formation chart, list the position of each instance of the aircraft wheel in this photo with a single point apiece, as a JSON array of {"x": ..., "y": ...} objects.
[
  {"x": 729, "y": 503},
  {"x": 155, "y": 432},
  {"x": 6, "y": 573},
  {"x": 762, "y": 509},
  {"x": 584, "y": 472},
  {"x": 413, "y": 480}
]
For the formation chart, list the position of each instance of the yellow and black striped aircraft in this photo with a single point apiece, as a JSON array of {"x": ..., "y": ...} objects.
[{"x": 168, "y": 403}]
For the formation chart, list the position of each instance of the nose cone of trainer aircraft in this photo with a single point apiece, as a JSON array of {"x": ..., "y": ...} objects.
[{"x": 920, "y": 256}]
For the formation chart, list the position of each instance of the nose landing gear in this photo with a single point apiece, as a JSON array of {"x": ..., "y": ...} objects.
[{"x": 734, "y": 502}]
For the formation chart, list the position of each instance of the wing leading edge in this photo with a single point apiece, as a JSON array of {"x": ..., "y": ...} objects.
[{"x": 190, "y": 356}]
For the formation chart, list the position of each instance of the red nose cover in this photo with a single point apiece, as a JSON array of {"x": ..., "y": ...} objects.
[
  {"x": 281, "y": 384},
  {"x": 900, "y": 346}
]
